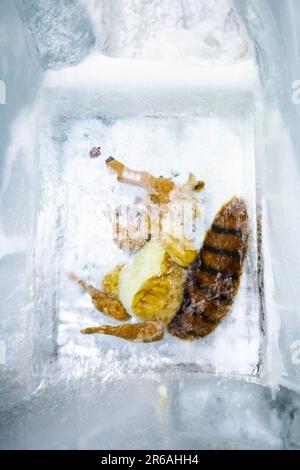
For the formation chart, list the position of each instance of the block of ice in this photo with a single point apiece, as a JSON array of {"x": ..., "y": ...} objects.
[
  {"x": 240, "y": 415},
  {"x": 163, "y": 131}
]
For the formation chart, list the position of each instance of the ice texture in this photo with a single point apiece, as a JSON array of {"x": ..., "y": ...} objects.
[
  {"x": 168, "y": 30},
  {"x": 59, "y": 29},
  {"x": 213, "y": 410},
  {"x": 158, "y": 412},
  {"x": 278, "y": 144},
  {"x": 148, "y": 131},
  {"x": 21, "y": 75}
]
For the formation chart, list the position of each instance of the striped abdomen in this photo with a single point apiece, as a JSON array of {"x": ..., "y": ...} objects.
[{"x": 213, "y": 280}]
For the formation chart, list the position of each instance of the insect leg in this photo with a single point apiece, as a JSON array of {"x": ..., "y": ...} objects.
[
  {"x": 146, "y": 332},
  {"x": 109, "y": 305}
]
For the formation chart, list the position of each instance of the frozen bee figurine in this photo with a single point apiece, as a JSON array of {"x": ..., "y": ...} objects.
[{"x": 167, "y": 283}]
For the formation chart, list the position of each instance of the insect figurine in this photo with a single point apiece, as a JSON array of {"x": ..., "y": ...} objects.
[{"x": 167, "y": 283}]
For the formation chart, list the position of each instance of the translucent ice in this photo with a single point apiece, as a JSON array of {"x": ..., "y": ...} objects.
[
  {"x": 60, "y": 30},
  {"x": 220, "y": 151},
  {"x": 170, "y": 30}
]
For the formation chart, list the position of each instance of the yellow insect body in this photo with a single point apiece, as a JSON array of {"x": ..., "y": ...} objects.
[{"x": 151, "y": 285}]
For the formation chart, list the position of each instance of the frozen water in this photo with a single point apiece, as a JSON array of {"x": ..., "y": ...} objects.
[
  {"x": 213, "y": 410},
  {"x": 59, "y": 29},
  {"x": 169, "y": 30},
  {"x": 214, "y": 139},
  {"x": 20, "y": 73},
  {"x": 193, "y": 413},
  {"x": 278, "y": 149},
  {"x": 240, "y": 414}
]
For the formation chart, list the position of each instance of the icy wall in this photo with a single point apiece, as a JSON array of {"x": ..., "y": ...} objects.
[
  {"x": 20, "y": 72},
  {"x": 60, "y": 30},
  {"x": 171, "y": 30},
  {"x": 274, "y": 27}
]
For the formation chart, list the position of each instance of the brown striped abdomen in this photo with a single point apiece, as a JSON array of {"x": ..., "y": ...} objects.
[{"x": 213, "y": 280}]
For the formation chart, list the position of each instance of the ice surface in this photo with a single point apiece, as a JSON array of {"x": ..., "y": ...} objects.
[
  {"x": 278, "y": 157},
  {"x": 60, "y": 30},
  {"x": 20, "y": 73},
  {"x": 212, "y": 410},
  {"x": 168, "y": 30},
  {"x": 193, "y": 413}
]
